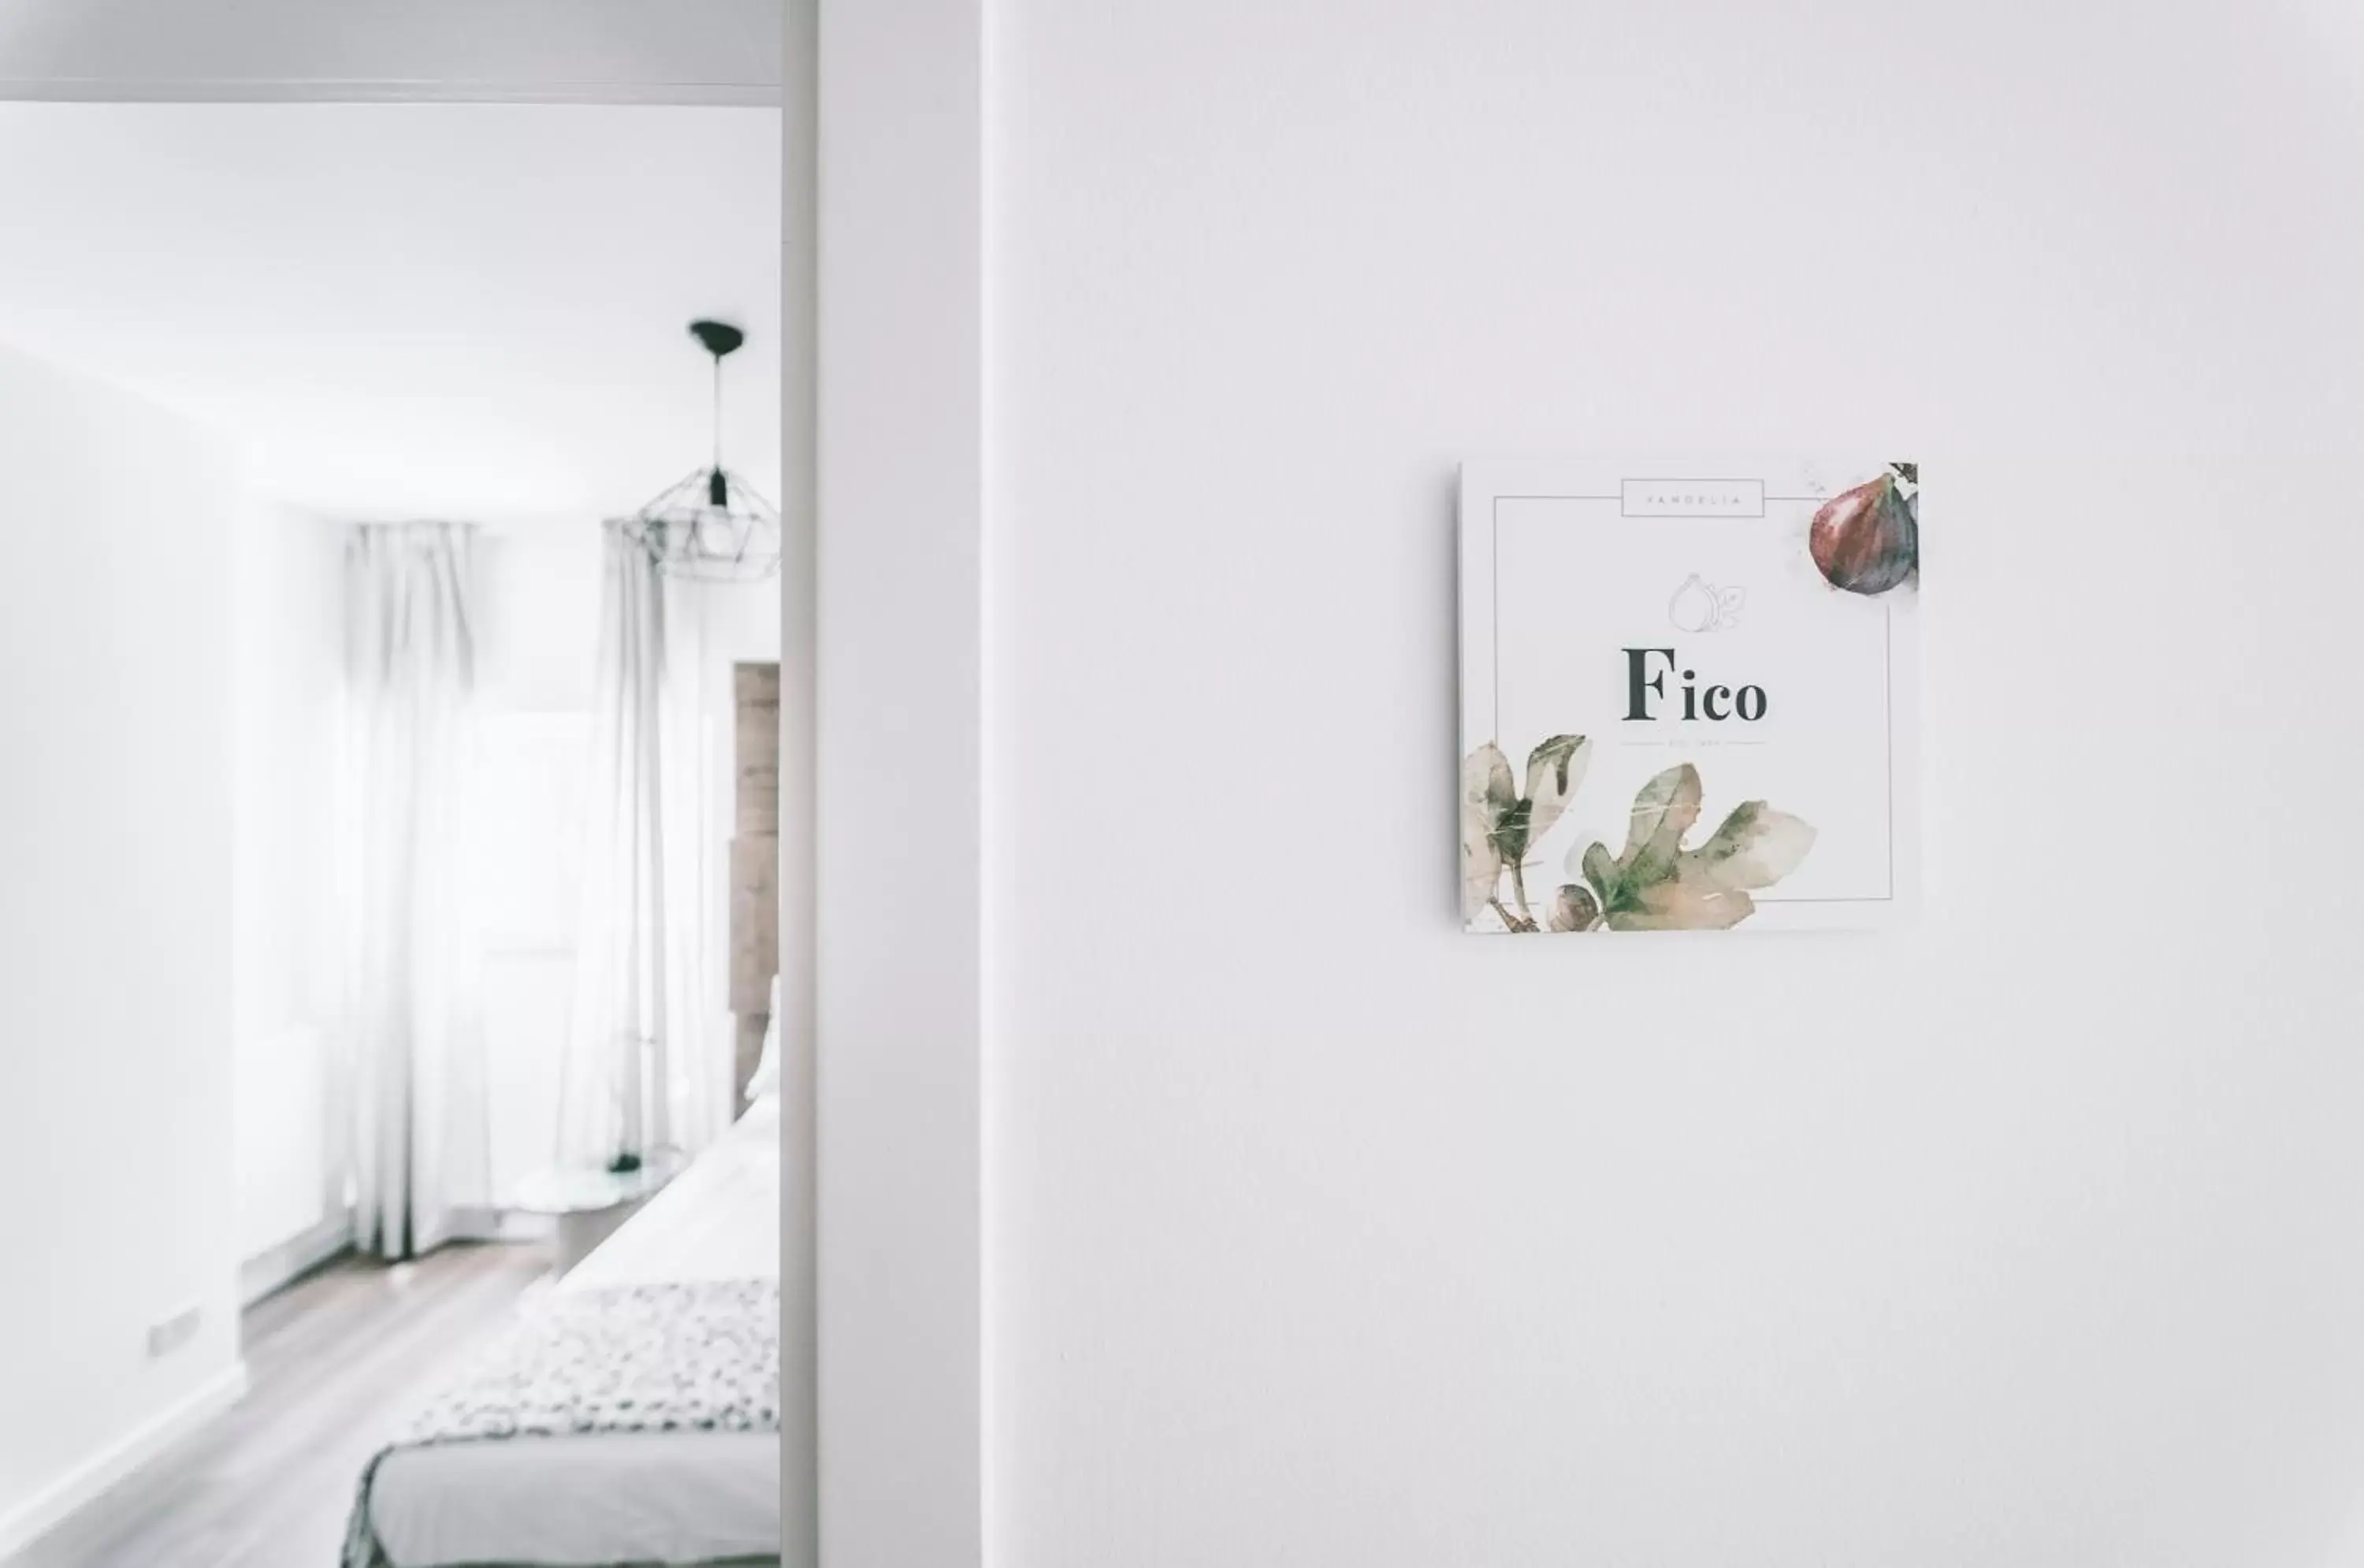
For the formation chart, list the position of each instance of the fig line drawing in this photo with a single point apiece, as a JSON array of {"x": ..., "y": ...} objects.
[{"x": 1700, "y": 606}]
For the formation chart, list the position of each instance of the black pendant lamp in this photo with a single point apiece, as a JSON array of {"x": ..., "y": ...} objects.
[{"x": 712, "y": 525}]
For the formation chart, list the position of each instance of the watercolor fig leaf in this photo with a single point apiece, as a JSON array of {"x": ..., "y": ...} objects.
[
  {"x": 1488, "y": 797},
  {"x": 1500, "y": 823},
  {"x": 1657, "y": 884}
]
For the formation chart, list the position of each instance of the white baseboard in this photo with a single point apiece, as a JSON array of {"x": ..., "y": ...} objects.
[
  {"x": 298, "y": 1256},
  {"x": 83, "y": 1485}
]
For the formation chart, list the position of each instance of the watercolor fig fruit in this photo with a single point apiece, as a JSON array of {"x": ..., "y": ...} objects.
[
  {"x": 1700, "y": 606},
  {"x": 1867, "y": 539},
  {"x": 1574, "y": 908}
]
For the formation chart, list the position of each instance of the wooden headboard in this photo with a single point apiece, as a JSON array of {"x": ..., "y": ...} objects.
[{"x": 754, "y": 861}]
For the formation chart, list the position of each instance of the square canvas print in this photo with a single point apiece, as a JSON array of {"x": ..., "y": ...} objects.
[{"x": 1689, "y": 695}]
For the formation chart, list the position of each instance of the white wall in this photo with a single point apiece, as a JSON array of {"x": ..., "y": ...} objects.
[
  {"x": 1320, "y": 1234},
  {"x": 800, "y": 813},
  {"x": 116, "y": 918},
  {"x": 288, "y": 682},
  {"x": 900, "y": 850}
]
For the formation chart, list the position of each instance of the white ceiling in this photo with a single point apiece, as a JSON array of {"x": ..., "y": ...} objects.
[{"x": 473, "y": 311}]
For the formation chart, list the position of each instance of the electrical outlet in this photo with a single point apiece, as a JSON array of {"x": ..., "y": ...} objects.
[{"x": 170, "y": 1335}]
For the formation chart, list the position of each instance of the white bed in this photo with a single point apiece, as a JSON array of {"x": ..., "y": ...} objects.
[{"x": 602, "y": 1498}]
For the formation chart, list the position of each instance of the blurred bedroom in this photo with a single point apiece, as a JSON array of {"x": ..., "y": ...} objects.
[{"x": 391, "y": 682}]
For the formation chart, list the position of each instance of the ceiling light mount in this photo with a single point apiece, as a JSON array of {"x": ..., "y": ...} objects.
[{"x": 719, "y": 336}]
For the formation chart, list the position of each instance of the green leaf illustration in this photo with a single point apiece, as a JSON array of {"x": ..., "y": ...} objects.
[
  {"x": 1756, "y": 847},
  {"x": 1553, "y": 769},
  {"x": 1498, "y": 825},
  {"x": 1487, "y": 794},
  {"x": 1658, "y": 886},
  {"x": 1664, "y": 810},
  {"x": 1601, "y": 870}
]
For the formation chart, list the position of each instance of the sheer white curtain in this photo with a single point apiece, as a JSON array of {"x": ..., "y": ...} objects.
[
  {"x": 647, "y": 1067},
  {"x": 414, "y": 961}
]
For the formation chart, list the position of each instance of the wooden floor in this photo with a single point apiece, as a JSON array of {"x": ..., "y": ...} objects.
[{"x": 333, "y": 1361}]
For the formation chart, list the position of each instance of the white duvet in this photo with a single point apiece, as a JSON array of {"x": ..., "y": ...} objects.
[{"x": 666, "y": 1497}]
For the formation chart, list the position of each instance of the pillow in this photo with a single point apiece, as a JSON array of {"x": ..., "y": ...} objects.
[{"x": 767, "y": 1077}]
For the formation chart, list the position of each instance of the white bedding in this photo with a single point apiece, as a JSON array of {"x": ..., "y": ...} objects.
[
  {"x": 719, "y": 1220},
  {"x": 686, "y": 1497}
]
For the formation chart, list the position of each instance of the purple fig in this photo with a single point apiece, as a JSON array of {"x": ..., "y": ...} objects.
[{"x": 1867, "y": 539}]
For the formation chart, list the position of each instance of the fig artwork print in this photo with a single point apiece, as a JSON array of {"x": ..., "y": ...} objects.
[{"x": 1689, "y": 695}]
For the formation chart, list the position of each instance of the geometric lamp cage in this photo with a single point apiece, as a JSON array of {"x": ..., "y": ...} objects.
[{"x": 711, "y": 526}]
